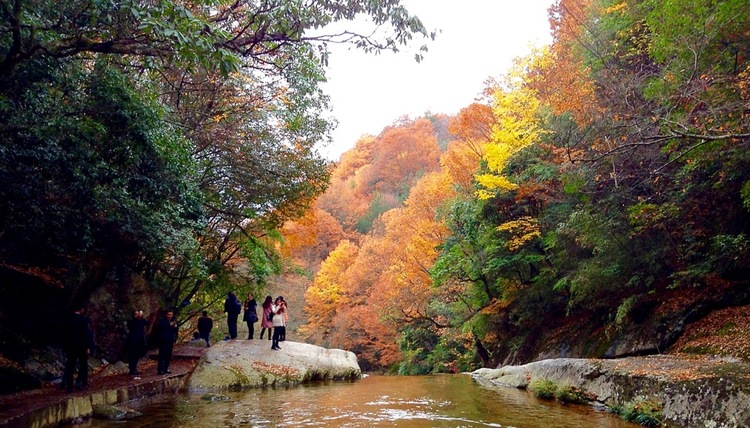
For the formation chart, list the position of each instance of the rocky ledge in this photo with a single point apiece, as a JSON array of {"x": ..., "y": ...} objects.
[
  {"x": 252, "y": 363},
  {"x": 690, "y": 392},
  {"x": 226, "y": 364}
]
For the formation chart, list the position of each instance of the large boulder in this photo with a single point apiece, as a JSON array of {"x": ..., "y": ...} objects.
[
  {"x": 252, "y": 363},
  {"x": 692, "y": 392}
]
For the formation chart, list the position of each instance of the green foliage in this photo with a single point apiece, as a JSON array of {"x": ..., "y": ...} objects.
[
  {"x": 550, "y": 390},
  {"x": 543, "y": 388},
  {"x": 190, "y": 37},
  {"x": 646, "y": 412},
  {"x": 98, "y": 170},
  {"x": 377, "y": 207},
  {"x": 745, "y": 193},
  {"x": 416, "y": 343},
  {"x": 624, "y": 310},
  {"x": 568, "y": 394}
]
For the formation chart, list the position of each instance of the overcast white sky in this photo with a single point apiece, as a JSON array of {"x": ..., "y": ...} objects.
[{"x": 477, "y": 39}]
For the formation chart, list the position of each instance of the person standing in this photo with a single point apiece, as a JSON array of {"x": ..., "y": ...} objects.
[
  {"x": 282, "y": 336},
  {"x": 232, "y": 307},
  {"x": 279, "y": 324},
  {"x": 77, "y": 344},
  {"x": 205, "y": 325},
  {"x": 266, "y": 323},
  {"x": 167, "y": 336},
  {"x": 251, "y": 315},
  {"x": 136, "y": 341}
]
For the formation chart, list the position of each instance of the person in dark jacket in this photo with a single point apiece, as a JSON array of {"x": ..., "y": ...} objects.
[
  {"x": 77, "y": 344},
  {"x": 166, "y": 334},
  {"x": 205, "y": 325},
  {"x": 232, "y": 307},
  {"x": 250, "y": 315},
  {"x": 136, "y": 341}
]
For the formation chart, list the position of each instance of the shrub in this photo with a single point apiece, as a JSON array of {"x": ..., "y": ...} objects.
[
  {"x": 543, "y": 388},
  {"x": 571, "y": 394},
  {"x": 644, "y": 412}
]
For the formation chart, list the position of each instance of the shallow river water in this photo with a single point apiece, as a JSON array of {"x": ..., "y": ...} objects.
[{"x": 375, "y": 401}]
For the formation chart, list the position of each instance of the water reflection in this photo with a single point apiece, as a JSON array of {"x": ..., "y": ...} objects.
[{"x": 401, "y": 401}]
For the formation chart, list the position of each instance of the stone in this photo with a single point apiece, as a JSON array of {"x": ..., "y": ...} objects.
[
  {"x": 114, "y": 413},
  {"x": 716, "y": 395},
  {"x": 252, "y": 363},
  {"x": 214, "y": 397}
]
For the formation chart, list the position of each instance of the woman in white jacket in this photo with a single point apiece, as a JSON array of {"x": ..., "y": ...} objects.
[{"x": 279, "y": 323}]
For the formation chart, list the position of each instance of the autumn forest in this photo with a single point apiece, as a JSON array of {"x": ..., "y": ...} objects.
[
  {"x": 601, "y": 188},
  {"x": 598, "y": 192}
]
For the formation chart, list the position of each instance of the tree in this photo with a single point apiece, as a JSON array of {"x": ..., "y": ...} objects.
[
  {"x": 324, "y": 298},
  {"x": 515, "y": 108},
  {"x": 102, "y": 183},
  {"x": 310, "y": 239},
  {"x": 472, "y": 129},
  {"x": 199, "y": 144},
  {"x": 194, "y": 34}
]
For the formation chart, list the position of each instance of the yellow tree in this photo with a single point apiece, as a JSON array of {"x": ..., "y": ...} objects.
[
  {"x": 516, "y": 108},
  {"x": 324, "y": 296}
]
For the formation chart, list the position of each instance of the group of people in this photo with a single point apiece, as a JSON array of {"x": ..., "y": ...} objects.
[
  {"x": 78, "y": 337},
  {"x": 165, "y": 334},
  {"x": 78, "y": 344},
  {"x": 274, "y": 317}
]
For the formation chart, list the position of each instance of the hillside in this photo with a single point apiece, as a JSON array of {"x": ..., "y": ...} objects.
[{"x": 594, "y": 204}]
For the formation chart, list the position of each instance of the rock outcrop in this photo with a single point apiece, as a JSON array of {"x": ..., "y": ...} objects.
[
  {"x": 252, "y": 363},
  {"x": 692, "y": 393}
]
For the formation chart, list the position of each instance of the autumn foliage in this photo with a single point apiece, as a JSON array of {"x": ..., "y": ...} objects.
[{"x": 600, "y": 190}]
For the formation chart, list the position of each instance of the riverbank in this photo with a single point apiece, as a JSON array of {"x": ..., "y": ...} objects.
[
  {"x": 689, "y": 391},
  {"x": 683, "y": 391},
  {"x": 51, "y": 406},
  {"x": 232, "y": 364}
]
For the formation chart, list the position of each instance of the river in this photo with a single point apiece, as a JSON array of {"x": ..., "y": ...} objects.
[{"x": 375, "y": 401}]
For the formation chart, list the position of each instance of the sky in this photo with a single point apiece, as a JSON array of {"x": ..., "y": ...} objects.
[{"x": 476, "y": 40}]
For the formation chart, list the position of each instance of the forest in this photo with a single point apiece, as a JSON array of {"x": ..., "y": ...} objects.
[
  {"x": 594, "y": 204},
  {"x": 161, "y": 155},
  {"x": 150, "y": 151}
]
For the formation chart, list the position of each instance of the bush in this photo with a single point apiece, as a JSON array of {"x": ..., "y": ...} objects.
[
  {"x": 543, "y": 388},
  {"x": 644, "y": 412},
  {"x": 571, "y": 394}
]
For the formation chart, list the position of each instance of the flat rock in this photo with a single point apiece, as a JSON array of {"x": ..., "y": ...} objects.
[
  {"x": 252, "y": 363},
  {"x": 692, "y": 392}
]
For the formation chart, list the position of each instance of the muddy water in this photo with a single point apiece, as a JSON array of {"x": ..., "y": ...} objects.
[{"x": 376, "y": 401}]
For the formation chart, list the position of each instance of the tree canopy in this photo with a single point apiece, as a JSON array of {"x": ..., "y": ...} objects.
[{"x": 165, "y": 140}]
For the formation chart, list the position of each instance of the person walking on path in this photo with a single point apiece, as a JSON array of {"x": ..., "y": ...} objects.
[
  {"x": 265, "y": 323},
  {"x": 166, "y": 335},
  {"x": 136, "y": 341},
  {"x": 77, "y": 344},
  {"x": 205, "y": 325},
  {"x": 279, "y": 324},
  {"x": 251, "y": 315},
  {"x": 232, "y": 307}
]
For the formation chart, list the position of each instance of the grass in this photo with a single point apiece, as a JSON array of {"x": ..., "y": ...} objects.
[
  {"x": 543, "y": 388},
  {"x": 645, "y": 412}
]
